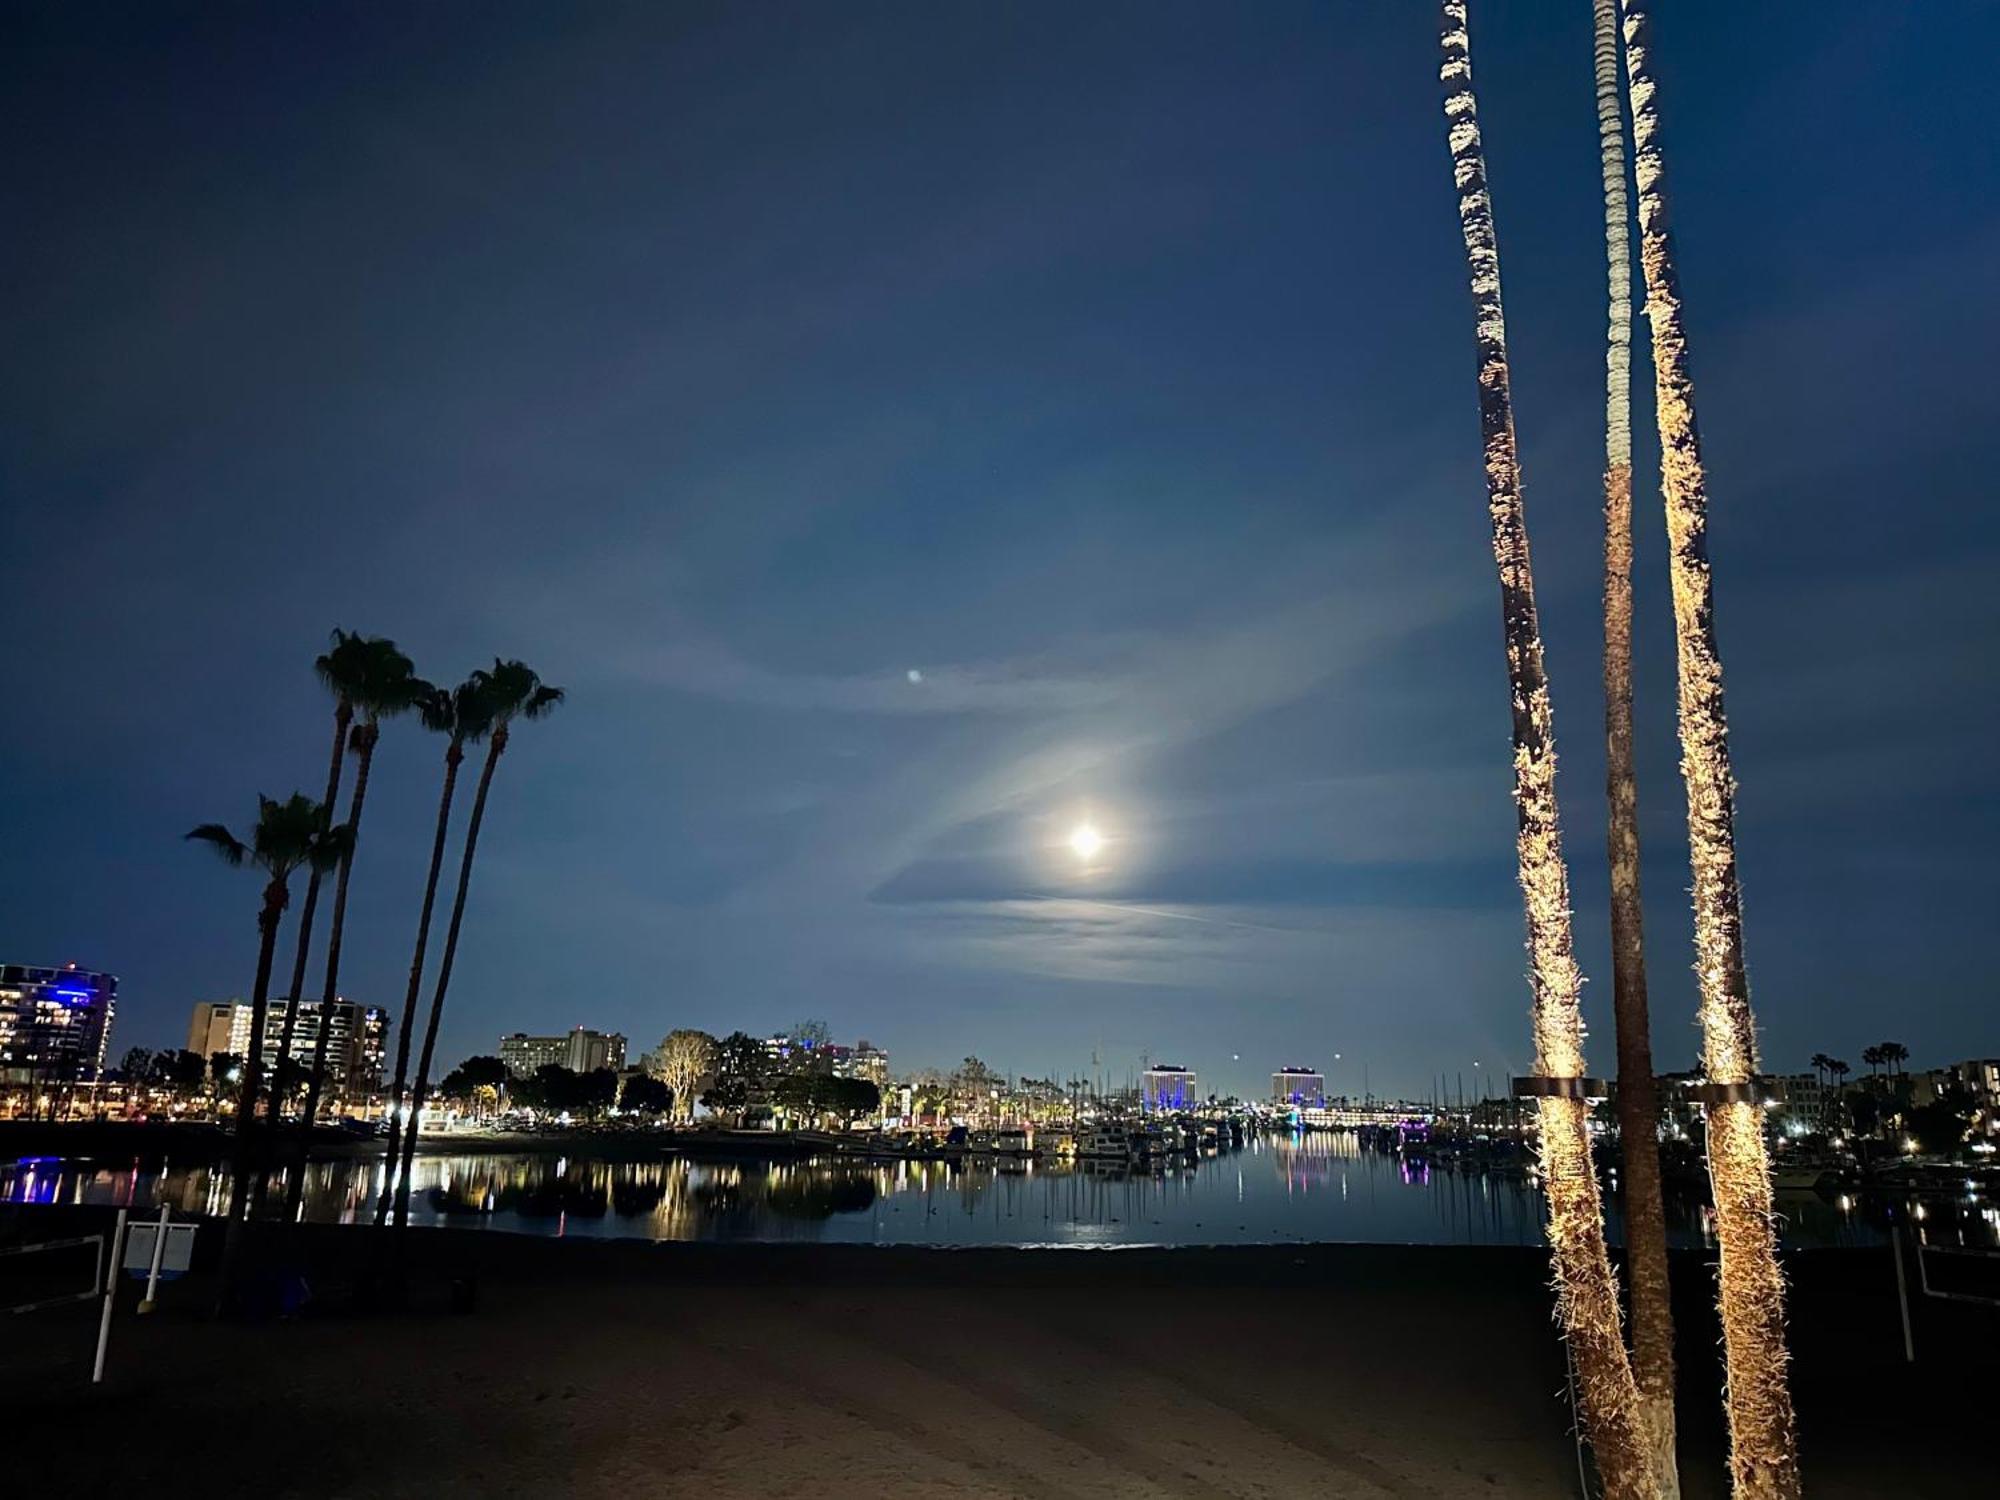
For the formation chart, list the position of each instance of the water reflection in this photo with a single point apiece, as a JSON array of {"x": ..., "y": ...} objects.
[{"x": 1290, "y": 1189}]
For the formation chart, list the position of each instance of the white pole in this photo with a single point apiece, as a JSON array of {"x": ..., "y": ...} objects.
[
  {"x": 159, "y": 1253},
  {"x": 110, "y": 1290}
]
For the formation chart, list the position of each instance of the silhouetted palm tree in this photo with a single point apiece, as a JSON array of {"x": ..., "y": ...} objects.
[
  {"x": 1894, "y": 1055},
  {"x": 1763, "y": 1456},
  {"x": 462, "y": 715},
  {"x": 389, "y": 686},
  {"x": 1587, "y": 1294},
  {"x": 1821, "y": 1063},
  {"x": 288, "y": 834},
  {"x": 1873, "y": 1057},
  {"x": 1638, "y": 1104},
  {"x": 510, "y": 691}
]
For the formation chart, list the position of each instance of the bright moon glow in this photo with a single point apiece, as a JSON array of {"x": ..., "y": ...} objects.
[{"x": 1086, "y": 841}]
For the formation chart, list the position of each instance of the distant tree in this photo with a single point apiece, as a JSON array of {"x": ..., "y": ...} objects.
[
  {"x": 851, "y": 1098},
  {"x": 222, "y": 1069},
  {"x": 596, "y": 1091},
  {"x": 811, "y": 1035},
  {"x": 1893, "y": 1055},
  {"x": 1940, "y": 1126},
  {"x": 181, "y": 1070},
  {"x": 644, "y": 1094},
  {"x": 739, "y": 1071},
  {"x": 137, "y": 1065},
  {"x": 480, "y": 1071},
  {"x": 1821, "y": 1064},
  {"x": 1837, "y": 1069},
  {"x": 1873, "y": 1057},
  {"x": 551, "y": 1088},
  {"x": 683, "y": 1060}
]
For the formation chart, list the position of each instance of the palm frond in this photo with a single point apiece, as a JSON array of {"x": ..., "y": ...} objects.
[
  {"x": 542, "y": 703},
  {"x": 331, "y": 847},
  {"x": 228, "y": 847}
]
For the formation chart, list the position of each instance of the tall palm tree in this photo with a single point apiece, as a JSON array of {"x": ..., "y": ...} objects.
[
  {"x": 1894, "y": 1055},
  {"x": 1587, "y": 1294},
  {"x": 462, "y": 715},
  {"x": 1638, "y": 1104},
  {"x": 1873, "y": 1057},
  {"x": 510, "y": 691},
  {"x": 288, "y": 834},
  {"x": 1821, "y": 1063},
  {"x": 1763, "y": 1456},
  {"x": 381, "y": 682}
]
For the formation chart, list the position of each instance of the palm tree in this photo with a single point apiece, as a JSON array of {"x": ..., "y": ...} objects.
[
  {"x": 378, "y": 682},
  {"x": 1839, "y": 1071},
  {"x": 1763, "y": 1432},
  {"x": 1638, "y": 1104},
  {"x": 1821, "y": 1065},
  {"x": 510, "y": 691},
  {"x": 288, "y": 834},
  {"x": 462, "y": 715},
  {"x": 1873, "y": 1057},
  {"x": 1894, "y": 1055},
  {"x": 387, "y": 686},
  {"x": 1587, "y": 1294}
]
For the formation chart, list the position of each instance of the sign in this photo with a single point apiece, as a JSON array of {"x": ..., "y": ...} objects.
[{"x": 139, "y": 1249}]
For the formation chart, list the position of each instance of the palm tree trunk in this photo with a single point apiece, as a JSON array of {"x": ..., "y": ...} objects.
[
  {"x": 454, "y": 755},
  {"x": 495, "y": 747},
  {"x": 1586, "y": 1292},
  {"x": 1763, "y": 1438},
  {"x": 1638, "y": 1106},
  {"x": 343, "y": 717},
  {"x": 364, "y": 746},
  {"x": 242, "y": 1156}
]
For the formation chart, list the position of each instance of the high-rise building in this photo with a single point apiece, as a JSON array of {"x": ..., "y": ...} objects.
[
  {"x": 353, "y": 1046},
  {"x": 55, "y": 1023},
  {"x": 1298, "y": 1088},
  {"x": 581, "y": 1051},
  {"x": 863, "y": 1060},
  {"x": 1167, "y": 1087}
]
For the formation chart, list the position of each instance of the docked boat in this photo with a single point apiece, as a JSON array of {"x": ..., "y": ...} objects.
[
  {"x": 1102, "y": 1141},
  {"x": 1008, "y": 1140}
]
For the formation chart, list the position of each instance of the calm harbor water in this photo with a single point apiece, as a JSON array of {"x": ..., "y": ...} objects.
[{"x": 1272, "y": 1190}]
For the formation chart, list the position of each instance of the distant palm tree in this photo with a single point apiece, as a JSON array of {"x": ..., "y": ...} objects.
[
  {"x": 1821, "y": 1063},
  {"x": 510, "y": 691},
  {"x": 1894, "y": 1055},
  {"x": 288, "y": 834},
  {"x": 462, "y": 715},
  {"x": 1763, "y": 1447},
  {"x": 1874, "y": 1058},
  {"x": 1587, "y": 1293},
  {"x": 1638, "y": 1104},
  {"x": 1838, "y": 1070}
]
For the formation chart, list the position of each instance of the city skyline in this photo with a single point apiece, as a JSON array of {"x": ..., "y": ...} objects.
[{"x": 1072, "y": 468}]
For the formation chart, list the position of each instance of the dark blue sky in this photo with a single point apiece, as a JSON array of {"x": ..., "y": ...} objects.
[{"x": 1111, "y": 367}]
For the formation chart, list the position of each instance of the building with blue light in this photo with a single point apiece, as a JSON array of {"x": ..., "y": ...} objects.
[
  {"x": 55, "y": 1023},
  {"x": 1168, "y": 1087},
  {"x": 1298, "y": 1088}
]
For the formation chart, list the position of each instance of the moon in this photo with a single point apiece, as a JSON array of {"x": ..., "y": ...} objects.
[{"x": 1086, "y": 842}]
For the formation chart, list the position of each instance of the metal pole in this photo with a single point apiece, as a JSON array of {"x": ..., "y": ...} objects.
[
  {"x": 1903, "y": 1295},
  {"x": 110, "y": 1289},
  {"x": 159, "y": 1253}
]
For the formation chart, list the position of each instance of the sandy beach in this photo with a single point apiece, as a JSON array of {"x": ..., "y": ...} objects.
[{"x": 620, "y": 1369}]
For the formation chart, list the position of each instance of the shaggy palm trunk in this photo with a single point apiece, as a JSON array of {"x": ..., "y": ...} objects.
[
  {"x": 454, "y": 756},
  {"x": 1586, "y": 1293},
  {"x": 494, "y": 749},
  {"x": 343, "y": 717},
  {"x": 1763, "y": 1438},
  {"x": 364, "y": 757},
  {"x": 1638, "y": 1106},
  {"x": 276, "y": 896}
]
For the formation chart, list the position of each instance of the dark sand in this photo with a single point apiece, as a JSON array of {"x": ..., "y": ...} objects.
[{"x": 618, "y": 1369}]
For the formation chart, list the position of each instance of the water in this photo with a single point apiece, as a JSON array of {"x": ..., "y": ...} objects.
[{"x": 1277, "y": 1189}]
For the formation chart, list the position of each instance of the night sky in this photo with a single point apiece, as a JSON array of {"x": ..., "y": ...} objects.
[{"x": 1108, "y": 366}]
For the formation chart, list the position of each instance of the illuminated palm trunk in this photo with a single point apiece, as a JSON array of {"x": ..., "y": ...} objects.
[
  {"x": 1763, "y": 1441},
  {"x": 1638, "y": 1108},
  {"x": 1586, "y": 1294}
]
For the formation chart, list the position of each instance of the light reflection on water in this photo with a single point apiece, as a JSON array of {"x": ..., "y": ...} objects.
[{"x": 1273, "y": 1190}]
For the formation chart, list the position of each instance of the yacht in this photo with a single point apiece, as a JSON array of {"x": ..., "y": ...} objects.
[
  {"x": 1103, "y": 1140},
  {"x": 1008, "y": 1140}
]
